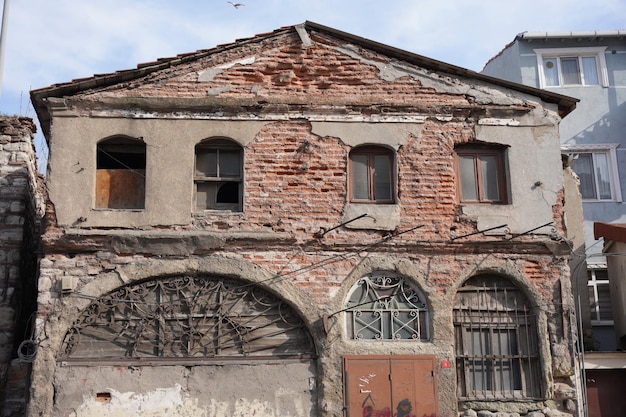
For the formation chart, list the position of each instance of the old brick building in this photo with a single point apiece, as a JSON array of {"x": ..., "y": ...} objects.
[{"x": 303, "y": 223}]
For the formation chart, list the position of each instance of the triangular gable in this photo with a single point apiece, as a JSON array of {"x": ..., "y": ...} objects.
[{"x": 286, "y": 63}]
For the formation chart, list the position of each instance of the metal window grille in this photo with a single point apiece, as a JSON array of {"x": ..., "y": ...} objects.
[
  {"x": 190, "y": 319},
  {"x": 386, "y": 306},
  {"x": 496, "y": 341}
]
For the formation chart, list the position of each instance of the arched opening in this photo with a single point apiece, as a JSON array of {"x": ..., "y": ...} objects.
[
  {"x": 182, "y": 345},
  {"x": 384, "y": 305},
  {"x": 188, "y": 318},
  {"x": 497, "y": 353}
]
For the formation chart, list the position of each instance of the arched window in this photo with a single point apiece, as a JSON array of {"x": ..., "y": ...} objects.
[
  {"x": 496, "y": 341},
  {"x": 384, "y": 305},
  {"x": 188, "y": 318},
  {"x": 218, "y": 175},
  {"x": 372, "y": 175},
  {"x": 120, "y": 173}
]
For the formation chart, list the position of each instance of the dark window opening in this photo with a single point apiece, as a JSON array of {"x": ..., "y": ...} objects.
[
  {"x": 218, "y": 175},
  {"x": 120, "y": 174}
]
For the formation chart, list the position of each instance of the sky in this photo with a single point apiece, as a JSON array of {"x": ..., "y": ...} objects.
[{"x": 55, "y": 41}]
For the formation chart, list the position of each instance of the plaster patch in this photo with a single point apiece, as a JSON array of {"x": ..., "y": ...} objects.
[
  {"x": 391, "y": 71},
  {"x": 490, "y": 121},
  {"x": 209, "y": 74},
  {"x": 170, "y": 401}
]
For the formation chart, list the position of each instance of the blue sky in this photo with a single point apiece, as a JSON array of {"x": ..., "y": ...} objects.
[{"x": 55, "y": 41}]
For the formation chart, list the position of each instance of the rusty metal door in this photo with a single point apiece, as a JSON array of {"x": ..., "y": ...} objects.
[{"x": 390, "y": 386}]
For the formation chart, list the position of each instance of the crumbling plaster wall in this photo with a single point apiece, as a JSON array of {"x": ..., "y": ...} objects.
[
  {"x": 314, "y": 295},
  {"x": 295, "y": 162},
  {"x": 169, "y": 191}
]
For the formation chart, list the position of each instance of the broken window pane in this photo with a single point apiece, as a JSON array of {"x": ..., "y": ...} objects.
[{"x": 219, "y": 175}]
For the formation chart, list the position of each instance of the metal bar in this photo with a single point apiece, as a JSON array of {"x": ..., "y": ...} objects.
[
  {"x": 530, "y": 231},
  {"x": 479, "y": 232},
  {"x": 321, "y": 234},
  {"x": 260, "y": 360}
]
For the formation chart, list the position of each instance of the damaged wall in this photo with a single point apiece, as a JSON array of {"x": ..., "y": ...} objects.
[
  {"x": 296, "y": 105},
  {"x": 20, "y": 211}
]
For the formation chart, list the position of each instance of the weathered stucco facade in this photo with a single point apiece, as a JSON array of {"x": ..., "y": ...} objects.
[{"x": 296, "y": 244}]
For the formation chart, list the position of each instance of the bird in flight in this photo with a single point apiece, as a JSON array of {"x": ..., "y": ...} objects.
[{"x": 236, "y": 5}]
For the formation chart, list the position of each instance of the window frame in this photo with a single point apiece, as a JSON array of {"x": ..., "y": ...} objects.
[
  {"x": 476, "y": 151},
  {"x": 561, "y": 53},
  {"x": 592, "y": 285},
  {"x": 508, "y": 310},
  {"x": 372, "y": 151},
  {"x": 218, "y": 144},
  {"x": 120, "y": 164},
  {"x": 386, "y": 299},
  {"x": 610, "y": 151}
]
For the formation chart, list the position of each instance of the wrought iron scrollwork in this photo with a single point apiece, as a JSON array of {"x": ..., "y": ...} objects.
[
  {"x": 386, "y": 306},
  {"x": 187, "y": 317}
]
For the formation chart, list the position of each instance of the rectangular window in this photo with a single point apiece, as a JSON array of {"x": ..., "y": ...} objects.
[
  {"x": 481, "y": 175},
  {"x": 218, "y": 175},
  {"x": 599, "y": 297},
  {"x": 596, "y": 168},
  {"x": 571, "y": 67},
  {"x": 120, "y": 174},
  {"x": 372, "y": 175}
]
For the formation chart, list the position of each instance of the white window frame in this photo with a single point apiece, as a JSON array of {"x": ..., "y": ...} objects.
[
  {"x": 610, "y": 151},
  {"x": 592, "y": 285},
  {"x": 592, "y": 51}
]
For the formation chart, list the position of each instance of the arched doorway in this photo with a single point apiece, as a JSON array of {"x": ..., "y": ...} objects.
[{"x": 200, "y": 341}]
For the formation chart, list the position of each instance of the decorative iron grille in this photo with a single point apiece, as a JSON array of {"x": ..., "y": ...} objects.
[
  {"x": 496, "y": 341},
  {"x": 384, "y": 306},
  {"x": 187, "y": 317}
]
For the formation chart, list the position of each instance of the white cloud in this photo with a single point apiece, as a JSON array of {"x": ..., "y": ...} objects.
[{"x": 55, "y": 41}]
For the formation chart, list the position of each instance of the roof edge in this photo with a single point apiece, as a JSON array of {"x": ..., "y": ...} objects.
[
  {"x": 573, "y": 34},
  {"x": 565, "y": 104},
  {"x": 610, "y": 231}
]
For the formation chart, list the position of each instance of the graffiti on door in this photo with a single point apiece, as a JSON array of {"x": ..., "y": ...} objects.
[
  {"x": 403, "y": 409},
  {"x": 385, "y": 386}
]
